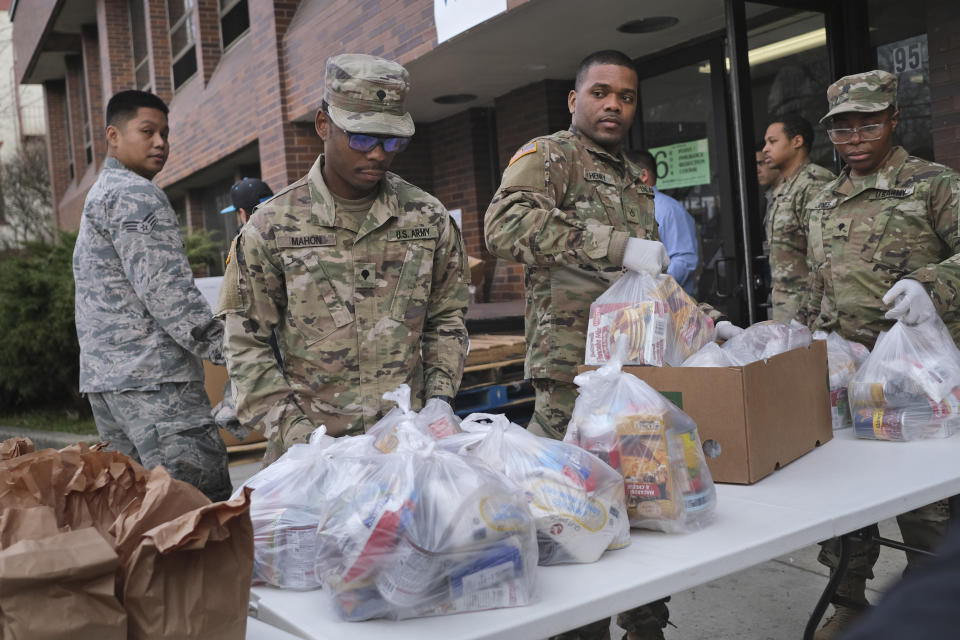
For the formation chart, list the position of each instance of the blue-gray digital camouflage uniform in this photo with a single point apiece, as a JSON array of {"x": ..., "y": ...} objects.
[
  {"x": 143, "y": 327},
  {"x": 900, "y": 222}
]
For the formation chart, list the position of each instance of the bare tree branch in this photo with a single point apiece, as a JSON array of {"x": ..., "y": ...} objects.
[{"x": 27, "y": 201}]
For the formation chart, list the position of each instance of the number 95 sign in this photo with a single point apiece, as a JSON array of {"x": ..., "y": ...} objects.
[{"x": 905, "y": 56}]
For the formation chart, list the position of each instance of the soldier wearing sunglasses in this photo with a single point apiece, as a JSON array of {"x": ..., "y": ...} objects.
[
  {"x": 883, "y": 233},
  {"x": 361, "y": 274}
]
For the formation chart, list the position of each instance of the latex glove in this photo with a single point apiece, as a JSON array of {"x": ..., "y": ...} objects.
[
  {"x": 435, "y": 402},
  {"x": 913, "y": 304},
  {"x": 645, "y": 256},
  {"x": 726, "y": 330}
]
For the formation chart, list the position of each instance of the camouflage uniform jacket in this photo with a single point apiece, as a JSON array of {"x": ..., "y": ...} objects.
[
  {"x": 565, "y": 209},
  {"x": 356, "y": 311},
  {"x": 787, "y": 235},
  {"x": 141, "y": 320},
  {"x": 902, "y": 223}
]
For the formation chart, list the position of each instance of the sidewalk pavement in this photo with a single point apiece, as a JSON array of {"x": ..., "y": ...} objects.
[{"x": 770, "y": 601}]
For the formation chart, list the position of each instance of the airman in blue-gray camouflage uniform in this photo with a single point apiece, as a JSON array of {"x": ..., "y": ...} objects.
[{"x": 142, "y": 325}]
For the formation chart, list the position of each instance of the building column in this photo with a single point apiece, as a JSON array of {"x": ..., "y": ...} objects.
[
  {"x": 158, "y": 48},
  {"x": 207, "y": 16},
  {"x": 194, "y": 210},
  {"x": 95, "y": 103},
  {"x": 113, "y": 26},
  {"x": 75, "y": 88},
  {"x": 55, "y": 101}
]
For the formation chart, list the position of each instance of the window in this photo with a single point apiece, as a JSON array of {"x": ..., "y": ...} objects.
[
  {"x": 898, "y": 39},
  {"x": 234, "y": 20},
  {"x": 85, "y": 114},
  {"x": 141, "y": 58},
  {"x": 182, "y": 41},
  {"x": 69, "y": 137}
]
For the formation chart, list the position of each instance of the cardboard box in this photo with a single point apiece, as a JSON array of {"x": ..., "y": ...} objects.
[{"x": 762, "y": 415}]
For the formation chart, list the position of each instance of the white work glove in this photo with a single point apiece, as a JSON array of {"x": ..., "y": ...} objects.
[
  {"x": 645, "y": 256},
  {"x": 913, "y": 305},
  {"x": 726, "y": 330}
]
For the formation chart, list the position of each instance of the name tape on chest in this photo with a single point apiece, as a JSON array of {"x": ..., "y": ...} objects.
[
  {"x": 598, "y": 176},
  {"x": 315, "y": 240},
  {"x": 412, "y": 233},
  {"x": 530, "y": 147},
  {"x": 885, "y": 194}
]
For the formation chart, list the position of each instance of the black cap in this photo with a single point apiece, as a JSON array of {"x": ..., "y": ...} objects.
[{"x": 247, "y": 194}]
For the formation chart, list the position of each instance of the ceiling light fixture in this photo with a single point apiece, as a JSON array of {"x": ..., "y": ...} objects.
[
  {"x": 455, "y": 98},
  {"x": 780, "y": 49},
  {"x": 648, "y": 25}
]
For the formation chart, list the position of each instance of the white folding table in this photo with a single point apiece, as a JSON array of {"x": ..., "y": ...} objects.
[{"x": 842, "y": 486}]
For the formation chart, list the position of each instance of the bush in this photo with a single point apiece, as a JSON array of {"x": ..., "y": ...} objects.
[
  {"x": 202, "y": 248},
  {"x": 38, "y": 336}
]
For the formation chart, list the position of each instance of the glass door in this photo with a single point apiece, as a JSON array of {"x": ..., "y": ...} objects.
[{"x": 682, "y": 121}]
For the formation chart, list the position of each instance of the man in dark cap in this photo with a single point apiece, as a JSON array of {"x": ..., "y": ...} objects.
[{"x": 245, "y": 195}]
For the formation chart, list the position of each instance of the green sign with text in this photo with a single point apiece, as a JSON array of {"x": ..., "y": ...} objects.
[{"x": 685, "y": 164}]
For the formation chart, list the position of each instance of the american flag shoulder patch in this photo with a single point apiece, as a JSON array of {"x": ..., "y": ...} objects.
[{"x": 530, "y": 147}]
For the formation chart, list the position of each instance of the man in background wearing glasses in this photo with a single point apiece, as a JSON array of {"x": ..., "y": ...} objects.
[
  {"x": 884, "y": 232},
  {"x": 362, "y": 275}
]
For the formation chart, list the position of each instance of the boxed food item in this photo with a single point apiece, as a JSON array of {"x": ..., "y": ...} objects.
[
  {"x": 754, "y": 418},
  {"x": 661, "y": 324}
]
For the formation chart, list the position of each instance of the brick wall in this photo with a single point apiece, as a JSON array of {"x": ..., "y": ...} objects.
[
  {"x": 207, "y": 20},
  {"x": 943, "y": 41},
  {"x": 113, "y": 26},
  {"x": 158, "y": 48},
  {"x": 534, "y": 110}
]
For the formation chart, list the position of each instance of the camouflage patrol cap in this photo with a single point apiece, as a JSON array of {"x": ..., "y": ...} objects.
[
  {"x": 865, "y": 92},
  {"x": 365, "y": 94}
]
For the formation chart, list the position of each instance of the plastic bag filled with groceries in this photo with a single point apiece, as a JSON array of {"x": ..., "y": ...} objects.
[
  {"x": 427, "y": 532},
  {"x": 436, "y": 419},
  {"x": 661, "y": 323},
  {"x": 653, "y": 444},
  {"x": 844, "y": 357},
  {"x": 909, "y": 386},
  {"x": 710, "y": 355},
  {"x": 577, "y": 500},
  {"x": 766, "y": 339},
  {"x": 290, "y": 503}
]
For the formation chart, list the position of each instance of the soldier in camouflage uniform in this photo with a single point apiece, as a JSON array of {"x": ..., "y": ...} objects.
[
  {"x": 362, "y": 275},
  {"x": 883, "y": 232},
  {"x": 142, "y": 325},
  {"x": 573, "y": 210},
  {"x": 787, "y": 149}
]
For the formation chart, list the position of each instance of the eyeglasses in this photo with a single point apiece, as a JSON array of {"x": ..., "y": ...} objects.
[
  {"x": 867, "y": 133},
  {"x": 365, "y": 143}
]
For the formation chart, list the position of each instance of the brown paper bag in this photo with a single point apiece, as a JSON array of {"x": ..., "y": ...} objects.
[
  {"x": 15, "y": 447},
  {"x": 190, "y": 577},
  {"x": 26, "y": 524},
  {"x": 60, "y": 586}
]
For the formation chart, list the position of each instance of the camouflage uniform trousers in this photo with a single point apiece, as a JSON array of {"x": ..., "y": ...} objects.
[
  {"x": 169, "y": 424},
  {"x": 923, "y": 528},
  {"x": 551, "y": 414}
]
